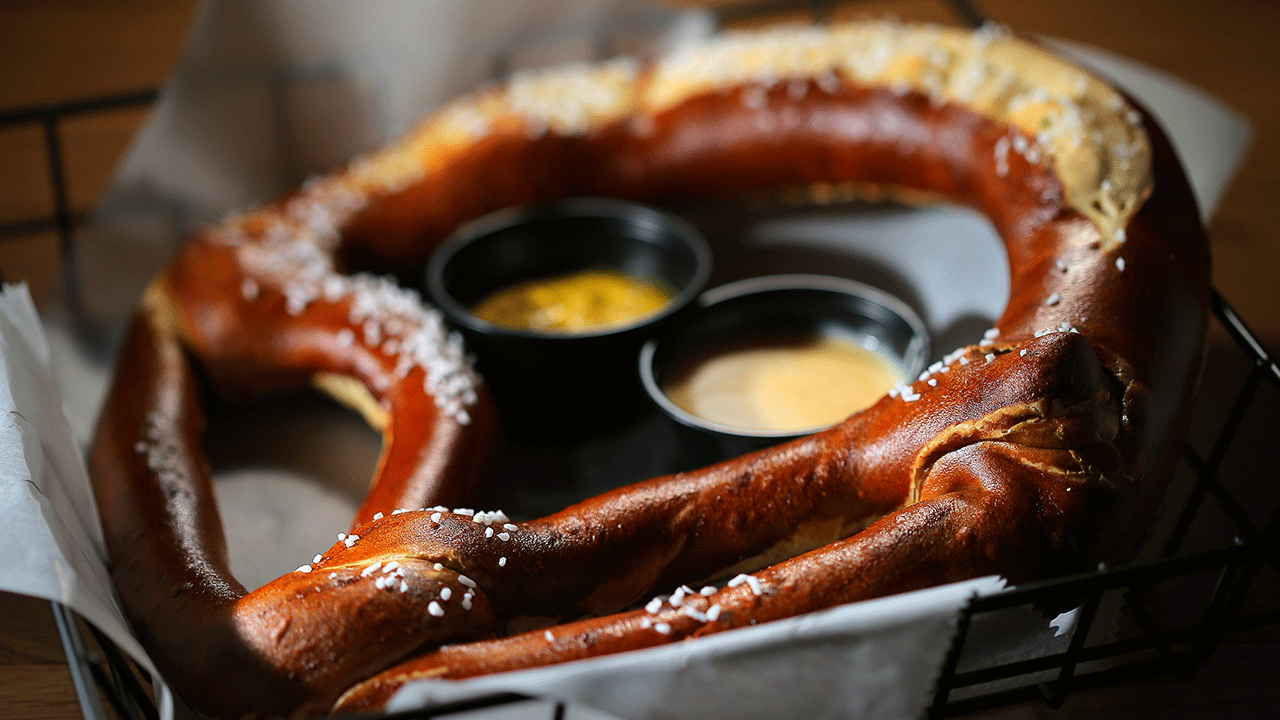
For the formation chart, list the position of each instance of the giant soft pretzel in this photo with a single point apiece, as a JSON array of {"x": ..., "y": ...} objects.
[{"x": 1042, "y": 447}]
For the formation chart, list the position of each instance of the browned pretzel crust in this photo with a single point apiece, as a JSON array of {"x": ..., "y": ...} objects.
[{"x": 1043, "y": 446}]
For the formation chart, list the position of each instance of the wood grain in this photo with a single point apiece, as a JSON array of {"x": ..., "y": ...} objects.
[{"x": 34, "y": 680}]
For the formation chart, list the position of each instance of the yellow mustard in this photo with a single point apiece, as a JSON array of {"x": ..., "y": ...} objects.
[{"x": 578, "y": 302}]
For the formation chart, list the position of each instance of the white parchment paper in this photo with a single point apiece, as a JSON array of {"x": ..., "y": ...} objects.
[
  {"x": 267, "y": 93},
  {"x": 49, "y": 525},
  {"x": 874, "y": 659}
]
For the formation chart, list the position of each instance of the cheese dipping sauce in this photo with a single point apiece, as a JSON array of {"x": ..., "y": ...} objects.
[
  {"x": 783, "y": 385},
  {"x": 579, "y": 302}
]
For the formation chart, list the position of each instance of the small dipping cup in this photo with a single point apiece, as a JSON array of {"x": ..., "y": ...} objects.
[
  {"x": 774, "y": 311},
  {"x": 565, "y": 383}
]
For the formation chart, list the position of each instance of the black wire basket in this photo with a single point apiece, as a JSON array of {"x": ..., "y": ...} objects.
[{"x": 1164, "y": 616}]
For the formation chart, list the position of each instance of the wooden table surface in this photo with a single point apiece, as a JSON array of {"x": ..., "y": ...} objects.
[{"x": 54, "y": 50}]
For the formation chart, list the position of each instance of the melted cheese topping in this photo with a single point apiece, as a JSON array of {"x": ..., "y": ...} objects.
[
  {"x": 1084, "y": 128},
  {"x": 1079, "y": 124}
]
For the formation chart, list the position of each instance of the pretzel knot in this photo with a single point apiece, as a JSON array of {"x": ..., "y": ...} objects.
[{"x": 1044, "y": 446}]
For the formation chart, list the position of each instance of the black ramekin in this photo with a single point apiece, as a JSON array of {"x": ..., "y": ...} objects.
[
  {"x": 775, "y": 306},
  {"x": 558, "y": 383}
]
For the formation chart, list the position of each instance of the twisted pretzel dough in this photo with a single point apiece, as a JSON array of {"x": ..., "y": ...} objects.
[{"x": 1044, "y": 446}]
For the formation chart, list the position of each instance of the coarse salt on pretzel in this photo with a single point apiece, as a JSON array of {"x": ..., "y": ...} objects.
[{"x": 1042, "y": 447}]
